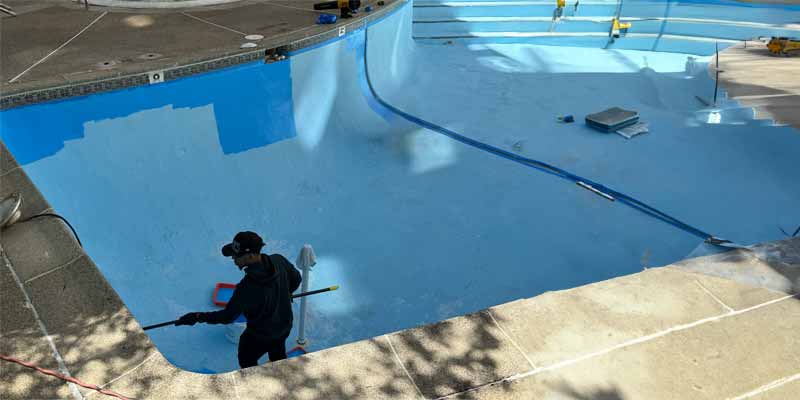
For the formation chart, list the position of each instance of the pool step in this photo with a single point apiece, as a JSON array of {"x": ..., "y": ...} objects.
[
  {"x": 503, "y": 9},
  {"x": 512, "y": 20},
  {"x": 466, "y": 26},
  {"x": 646, "y": 42}
]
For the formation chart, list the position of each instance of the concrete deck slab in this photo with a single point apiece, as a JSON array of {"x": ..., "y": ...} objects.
[
  {"x": 118, "y": 39},
  {"x": 17, "y": 181},
  {"x": 755, "y": 267},
  {"x": 749, "y": 70},
  {"x": 31, "y": 244},
  {"x": 23, "y": 46},
  {"x": 144, "y": 379},
  {"x": 561, "y": 325},
  {"x": 97, "y": 336},
  {"x": 783, "y": 392},
  {"x": 713, "y": 360},
  {"x": 361, "y": 370},
  {"x": 122, "y": 38},
  {"x": 735, "y": 295},
  {"x": 263, "y": 18},
  {"x": 21, "y": 337},
  {"x": 7, "y": 161},
  {"x": 178, "y": 384},
  {"x": 457, "y": 354}
]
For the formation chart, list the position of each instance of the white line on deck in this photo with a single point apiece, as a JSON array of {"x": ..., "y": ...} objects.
[
  {"x": 60, "y": 360},
  {"x": 58, "y": 48},
  {"x": 66, "y": 264},
  {"x": 632, "y": 342},
  {"x": 399, "y": 361},
  {"x": 211, "y": 23},
  {"x": 10, "y": 171},
  {"x": 772, "y": 385},
  {"x": 235, "y": 386},
  {"x": 713, "y": 297},
  {"x": 124, "y": 374},
  {"x": 511, "y": 340}
]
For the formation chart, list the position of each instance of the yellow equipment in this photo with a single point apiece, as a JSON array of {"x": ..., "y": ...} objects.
[
  {"x": 783, "y": 45},
  {"x": 616, "y": 26}
]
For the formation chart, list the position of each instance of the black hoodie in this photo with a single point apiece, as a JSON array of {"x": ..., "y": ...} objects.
[{"x": 264, "y": 295}]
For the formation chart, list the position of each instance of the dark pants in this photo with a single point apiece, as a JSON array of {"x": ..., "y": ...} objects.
[{"x": 251, "y": 348}]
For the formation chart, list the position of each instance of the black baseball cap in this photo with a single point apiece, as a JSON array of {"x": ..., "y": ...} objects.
[{"x": 243, "y": 243}]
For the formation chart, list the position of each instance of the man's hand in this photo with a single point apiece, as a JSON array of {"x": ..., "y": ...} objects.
[{"x": 188, "y": 319}]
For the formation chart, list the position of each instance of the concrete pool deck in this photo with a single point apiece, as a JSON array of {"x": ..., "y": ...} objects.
[
  {"x": 662, "y": 333},
  {"x": 720, "y": 326},
  {"x": 757, "y": 79},
  {"x": 100, "y": 49}
]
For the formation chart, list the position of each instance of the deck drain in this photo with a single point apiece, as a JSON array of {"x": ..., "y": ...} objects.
[
  {"x": 254, "y": 37},
  {"x": 248, "y": 45},
  {"x": 108, "y": 64},
  {"x": 150, "y": 56}
]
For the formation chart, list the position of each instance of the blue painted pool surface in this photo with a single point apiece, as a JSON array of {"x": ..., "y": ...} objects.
[{"x": 414, "y": 227}]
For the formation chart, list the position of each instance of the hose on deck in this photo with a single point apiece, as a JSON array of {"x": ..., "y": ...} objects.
[{"x": 62, "y": 377}]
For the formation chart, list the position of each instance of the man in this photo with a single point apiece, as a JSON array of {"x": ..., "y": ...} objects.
[{"x": 264, "y": 295}]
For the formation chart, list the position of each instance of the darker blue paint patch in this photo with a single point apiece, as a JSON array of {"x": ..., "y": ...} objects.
[{"x": 259, "y": 112}]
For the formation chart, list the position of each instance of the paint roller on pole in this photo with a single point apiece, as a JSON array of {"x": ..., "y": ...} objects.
[{"x": 304, "y": 294}]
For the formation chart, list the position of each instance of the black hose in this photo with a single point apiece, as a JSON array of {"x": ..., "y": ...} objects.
[{"x": 59, "y": 217}]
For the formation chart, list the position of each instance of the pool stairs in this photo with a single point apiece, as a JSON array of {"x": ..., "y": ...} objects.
[{"x": 531, "y": 21}]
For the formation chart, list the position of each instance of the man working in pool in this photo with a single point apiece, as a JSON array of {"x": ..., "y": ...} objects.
[{"x": 264, "y": 295}]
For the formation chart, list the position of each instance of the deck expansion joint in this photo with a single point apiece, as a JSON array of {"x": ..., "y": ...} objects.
[
  {"x": 124, "y": 374},
  {"x": 213, "y": 24},
  {"x": 399, "y": 361},
  {"x": 510, "y": 339},
  {"x": 717, "y": 299},
  {"x": 62, "y": 266},
  {"x": 769, "y": 386},
  {"x": 635, "y": 341},
  {"x": 76, "y": 393},
  {"x": 14, "y": 79}
]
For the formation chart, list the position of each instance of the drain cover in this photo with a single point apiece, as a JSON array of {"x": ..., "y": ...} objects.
[
  {"x": 106, "y": 64},
  {"x": 254, "y": 37},
  {"x": 247, "y": 45},
  {"x": 150, "y": 56}
]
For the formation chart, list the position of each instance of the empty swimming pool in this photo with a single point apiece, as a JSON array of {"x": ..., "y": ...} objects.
[{"x": 415, "y": 224}]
